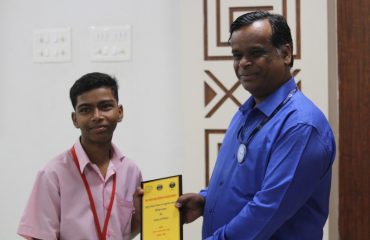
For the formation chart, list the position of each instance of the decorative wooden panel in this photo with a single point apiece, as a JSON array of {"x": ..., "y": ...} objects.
[
  {"x": 216, "y": 31},
  {"x": 227, "y": 93},
  {"x": 213, "y": 139}
]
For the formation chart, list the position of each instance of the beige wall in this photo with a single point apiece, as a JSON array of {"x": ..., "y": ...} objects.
[{"x": 333, "y": 116}]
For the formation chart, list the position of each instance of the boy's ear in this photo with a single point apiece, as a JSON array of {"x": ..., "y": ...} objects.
[
  {"x": 74, "y": 119},
  {"x": 121, "y": 113}
]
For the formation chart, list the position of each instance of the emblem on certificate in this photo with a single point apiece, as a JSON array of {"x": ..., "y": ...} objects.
[{"x": 160, "y": 217}]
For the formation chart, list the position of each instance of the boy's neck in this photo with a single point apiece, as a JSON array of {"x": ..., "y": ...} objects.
[{"x": 98, "y": 153}]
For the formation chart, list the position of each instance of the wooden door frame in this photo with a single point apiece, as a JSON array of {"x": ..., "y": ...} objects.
[{"x": 354, "y": 117}]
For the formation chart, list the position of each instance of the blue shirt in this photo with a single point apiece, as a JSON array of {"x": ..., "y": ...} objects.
[{"x": 281, "y": 189}]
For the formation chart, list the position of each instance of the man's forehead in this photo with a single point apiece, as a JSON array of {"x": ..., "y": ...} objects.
[
  {"x": 256, "y": 34},
  {"x": 258, "y": 28}
]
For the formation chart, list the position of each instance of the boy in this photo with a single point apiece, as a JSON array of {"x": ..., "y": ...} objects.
[{"x": 88, "y": 191}]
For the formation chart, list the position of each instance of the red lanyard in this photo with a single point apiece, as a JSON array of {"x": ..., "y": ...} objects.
[{"x": 101, "y": 235}]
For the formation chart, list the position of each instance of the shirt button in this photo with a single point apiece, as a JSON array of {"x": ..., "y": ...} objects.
[
  {"x": 221, "y": 183},
  {"x": 108, "y": 234}
]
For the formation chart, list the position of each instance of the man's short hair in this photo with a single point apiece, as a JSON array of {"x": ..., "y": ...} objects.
[
  {"x": 280, "y": 30},
  {"x": 92, "y": 81}
]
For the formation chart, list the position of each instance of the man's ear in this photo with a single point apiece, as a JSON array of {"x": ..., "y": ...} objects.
[
  {"x": 286, "y": 52},
  {"x": 74, "y": 119},
  {"x": 120, "y": 112}
]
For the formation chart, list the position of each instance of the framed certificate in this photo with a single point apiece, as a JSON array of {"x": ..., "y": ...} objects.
[{"x": 160, "y": 217}]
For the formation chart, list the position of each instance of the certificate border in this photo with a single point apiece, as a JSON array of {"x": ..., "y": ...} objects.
[{"x": 180, "y": 193}]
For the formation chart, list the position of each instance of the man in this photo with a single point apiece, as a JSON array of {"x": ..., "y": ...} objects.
[
  {"x": 272, "y": 175},
  {"x": 87, "y": 191}
]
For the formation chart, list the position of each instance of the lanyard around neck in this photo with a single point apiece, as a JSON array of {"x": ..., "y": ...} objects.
[
  {"x": 264, "y": 121},
  {"x": 101, "y": 234}
]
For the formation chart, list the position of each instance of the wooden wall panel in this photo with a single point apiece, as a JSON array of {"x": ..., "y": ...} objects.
[{"x": 354, "y": 118}]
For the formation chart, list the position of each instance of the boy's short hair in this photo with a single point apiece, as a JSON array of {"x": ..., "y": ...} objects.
[{"x": 92, "y": 81}]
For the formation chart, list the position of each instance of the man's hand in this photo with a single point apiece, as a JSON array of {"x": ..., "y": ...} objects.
[{"x": 191, "y": 207}]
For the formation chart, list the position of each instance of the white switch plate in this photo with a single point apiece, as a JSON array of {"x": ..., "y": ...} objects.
[
  {"x": 110, "y": 43},
  {"x": 52, "y": 45}
]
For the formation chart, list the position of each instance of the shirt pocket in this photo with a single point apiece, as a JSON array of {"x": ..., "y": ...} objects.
[{"x": 125, "y": 211}]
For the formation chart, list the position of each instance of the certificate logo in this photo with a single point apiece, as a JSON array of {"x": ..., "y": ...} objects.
[{"x": 159, "y": 187}]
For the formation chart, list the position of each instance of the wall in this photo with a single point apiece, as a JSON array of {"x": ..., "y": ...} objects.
[
  {"x": 35, "y": 122},
  {"x": 333, "y": 116}
]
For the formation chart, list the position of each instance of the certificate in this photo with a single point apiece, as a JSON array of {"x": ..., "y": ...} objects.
[{"x": 160, "y": 217}]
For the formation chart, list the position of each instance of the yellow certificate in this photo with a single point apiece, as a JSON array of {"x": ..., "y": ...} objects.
[{"x": 160, "y": 217}]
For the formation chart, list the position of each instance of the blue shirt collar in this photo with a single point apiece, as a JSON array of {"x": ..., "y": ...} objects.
[{"x": 269, "y": 104}]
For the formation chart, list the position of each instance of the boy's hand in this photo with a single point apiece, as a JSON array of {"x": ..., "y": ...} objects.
[{"x": 136, "y": 218}]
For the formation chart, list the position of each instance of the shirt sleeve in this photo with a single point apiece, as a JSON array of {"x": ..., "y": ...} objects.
[
  {"x": 297, "y": 164},
  {"x": 203, "y": 193},
  {"x": 41, "y": 217}
]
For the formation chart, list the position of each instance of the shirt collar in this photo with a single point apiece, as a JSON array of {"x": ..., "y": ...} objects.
[
  {"x": 270, "y": 104},
  {"x": 248, "y": 105},
  {"x": 83, "y": 159}
]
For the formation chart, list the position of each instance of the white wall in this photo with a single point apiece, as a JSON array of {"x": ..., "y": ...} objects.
[{"x": 35, "y": 110}]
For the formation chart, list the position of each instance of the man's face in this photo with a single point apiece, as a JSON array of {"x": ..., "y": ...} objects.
[
  {"x": 260, "y": 67},
  {"x": 97, "y": 114}
]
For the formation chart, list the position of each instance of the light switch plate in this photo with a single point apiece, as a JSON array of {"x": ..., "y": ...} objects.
[
  {"x": 52, "y": 45},
  {"x": 110, "y": 43}
]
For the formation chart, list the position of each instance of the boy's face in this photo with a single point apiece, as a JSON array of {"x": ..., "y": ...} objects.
[{"x": 97, "y": 114}]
